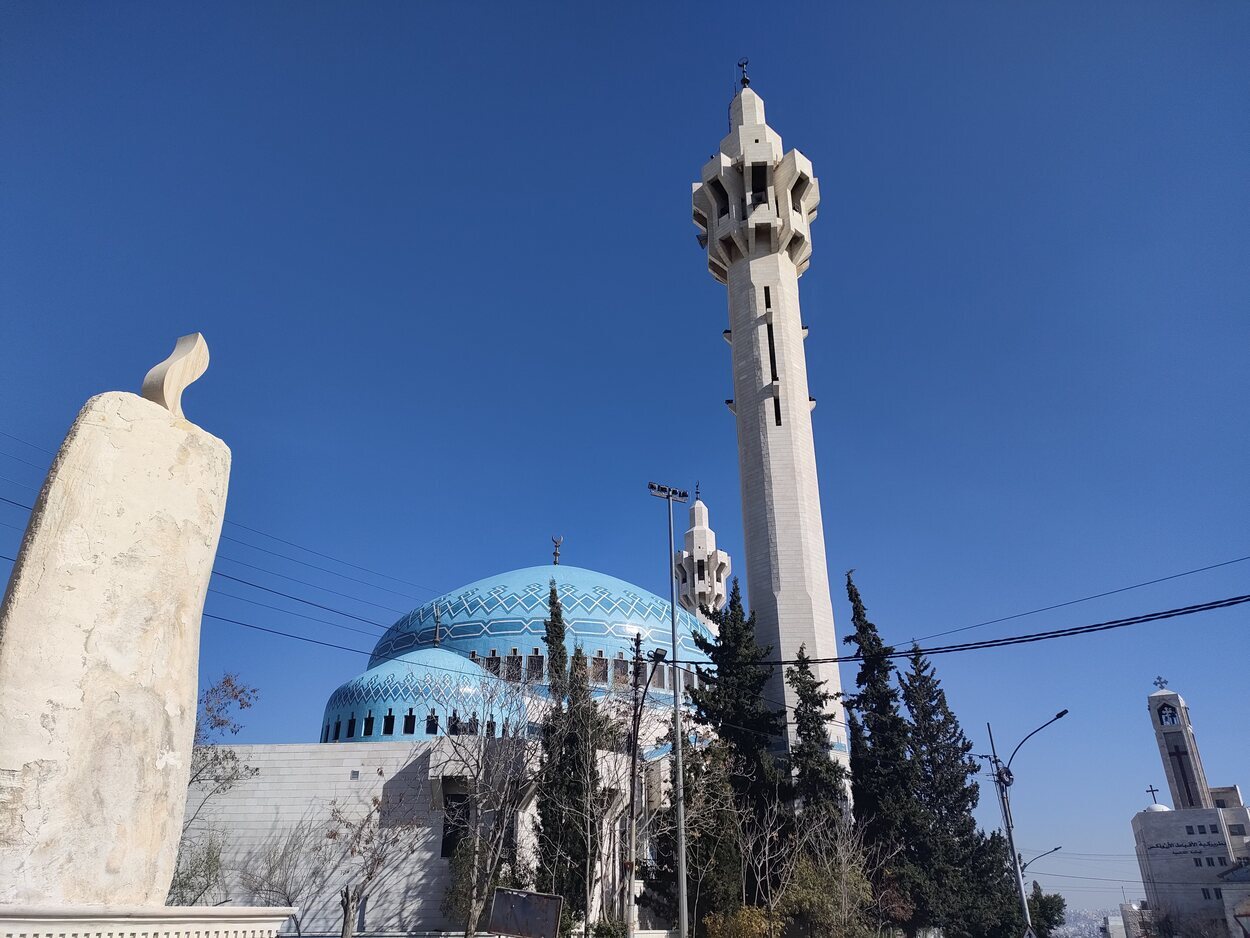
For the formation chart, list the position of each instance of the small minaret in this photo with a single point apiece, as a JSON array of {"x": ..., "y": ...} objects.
[
  {"x": 753, "y": 206},
  {"x": 1178, "y": 748},
  {"x": 702, "y": 570}
]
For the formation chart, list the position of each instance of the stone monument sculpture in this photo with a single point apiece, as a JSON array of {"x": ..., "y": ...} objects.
[{"x": 99, "y": 654}]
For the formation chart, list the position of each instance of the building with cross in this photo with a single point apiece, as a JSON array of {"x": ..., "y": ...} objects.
[{"x": 1194, "y": 855}]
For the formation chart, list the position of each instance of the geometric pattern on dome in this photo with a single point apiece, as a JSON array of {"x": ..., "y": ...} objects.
[
  {"x": 441, "y": 688},
  {"x": 503, "y": 610}
]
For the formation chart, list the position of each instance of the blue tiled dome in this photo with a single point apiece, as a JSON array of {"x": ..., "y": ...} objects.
[{"x": 491, "y": 629}]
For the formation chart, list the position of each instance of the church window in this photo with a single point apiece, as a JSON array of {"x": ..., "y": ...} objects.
[
  {"x": 1237, "y": 830},
  {"x": 368, "y": 731},
  {"x": 1197, "y": 861},
  {"x": 325, "y": 734},
  {"x": 1189, "y": 828},
  {"x": 1223, "y": 861},
  {"x": 1219, "y": 893},
  {"x": 351, "y": 726},
  {"x": 338, "y": 724},
  {"x": 410, "y": 722},
  {"x": 1221, "y": 803},
  {"x": 388, "y": 722},
  {"x": 1168, "y": 716},
  {"x": 1206, "y": 893},
  {"x": 431, "y": 723},
  {"x": 1210, "y": 861},
  {"x": 534, "y": 667}
]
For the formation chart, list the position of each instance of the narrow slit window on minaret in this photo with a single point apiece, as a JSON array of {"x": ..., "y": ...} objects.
[
  {"x": 772, "y": 352},
  {"x": 759, "y": 184},
  {"x": 777, "y": 407},
  {"x": 702, "y": 570},
  {"x": 720, "y": 197},
  {"x": 768, "y": 298}
]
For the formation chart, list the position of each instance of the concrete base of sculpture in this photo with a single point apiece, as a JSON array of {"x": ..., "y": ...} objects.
[{"x": 90, "y": 921}]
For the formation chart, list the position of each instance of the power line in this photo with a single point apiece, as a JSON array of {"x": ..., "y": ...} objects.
[
  {"x": 326, "y": 589},
  {"x": 28, "y": 443},
  {"x": 1083, "y": 599},
  {"x": 25, "y": 462},
  {"x": 291, "y": 612},
  {"x": 265, "y": 550},
  {"x": 307, "y": 602}
]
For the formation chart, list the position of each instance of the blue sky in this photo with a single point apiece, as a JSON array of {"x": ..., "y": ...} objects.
[{"x": 443, "y": 258}]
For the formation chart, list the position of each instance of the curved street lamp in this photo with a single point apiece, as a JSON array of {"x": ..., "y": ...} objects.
[
  {"x": 1002, "y": 781},
  {"x": 1025, "y": 866}
]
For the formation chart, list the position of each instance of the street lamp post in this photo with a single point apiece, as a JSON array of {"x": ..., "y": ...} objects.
[
  {"x": 640, "y": 701},
  {"x": 679, "y": 794},
  {"x": 1002, "y": 781},
  {"x": 1039, "y": 856}
]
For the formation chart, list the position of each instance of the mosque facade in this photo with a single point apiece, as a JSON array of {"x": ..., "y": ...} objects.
[{"x": 435, "y": 676}]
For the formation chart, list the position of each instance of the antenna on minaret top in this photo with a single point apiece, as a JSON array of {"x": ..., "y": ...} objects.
[
  {"x": 555, "y": 554},
  {"x": 742, "y": 65}
]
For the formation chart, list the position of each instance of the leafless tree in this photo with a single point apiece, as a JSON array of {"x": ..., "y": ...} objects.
[
  {"x": 215, "y": 769},
  {"x": 373, "y": 838},
  {"x": 290, "y": 869},
  {"x": 491, "y": 766},
  {"x": 770, "y": 843}
]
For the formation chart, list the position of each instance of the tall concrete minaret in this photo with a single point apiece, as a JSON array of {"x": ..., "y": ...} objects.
[
  {"x": 702, "y": 570},
  {"x": 753, "y": 210}
]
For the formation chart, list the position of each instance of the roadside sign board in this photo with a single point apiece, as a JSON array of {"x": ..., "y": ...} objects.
[{"x": 525, "y": 914}]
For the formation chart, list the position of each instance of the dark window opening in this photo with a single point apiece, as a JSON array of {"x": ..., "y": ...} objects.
[
  {"x": 368, "y": 731},
  {"x": 620, "y": 671},
  {"x": 512, "y": 667},
  {"x": 720, "y": 198},
  {"x": 472, "y": 727},
  {"x": 1219, "y": 892},
  {"x": 599, "y": 669},
  {"x": 797, "y": 193},
  {"x": 534, "y": 667},
  {"x": 1221, "y": 803},
  {"x": 702, "y": 571},
  {"x": 388, "y": 723},
  {"x": 1223, "y": 861},
  {"x": 490, "y": 727},
  {"x": 338, "y": 724},
  {"x": 455, "y": 822},
  {"x": 351, "y": 726},
  {"x": 777, "y": 408},
  {"x": 1238, "y": 830},
  {"x": 1189, "y": 828},
  {"x": 325, "y": 734},
  {"x": 1197, "y": 861},
  {"x": 772, "y": 352},
  {"x": 492, "y": 663},
  {"x": 759, "y": 184},
  {"x": 431, "y": 723},
  {"x": 682, "y": 571},
  {"x": 1206, "y": 893},
  {"x": 768, "y": 298},
  {"x": 1168, "y": 715},
  {"x": 410, "y": 722},
  {"x": 1202, "y": 828}
]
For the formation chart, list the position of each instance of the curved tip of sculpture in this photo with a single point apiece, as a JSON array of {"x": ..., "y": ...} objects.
[{"x": 165, "y": 383}]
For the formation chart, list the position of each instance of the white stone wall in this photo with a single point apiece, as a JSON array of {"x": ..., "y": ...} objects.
[{"x": 299, "y": 783}]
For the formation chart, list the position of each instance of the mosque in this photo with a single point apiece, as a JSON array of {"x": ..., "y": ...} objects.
[{"x": 428, "y": 678}]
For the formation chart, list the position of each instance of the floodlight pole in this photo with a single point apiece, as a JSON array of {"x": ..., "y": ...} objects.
[
  {"x": 640, "y": 701},
  {"x": 679, "y": 792}
]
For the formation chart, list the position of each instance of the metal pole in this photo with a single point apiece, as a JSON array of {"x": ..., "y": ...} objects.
[
  {"x": 627, "y": 905},
  {"x": 1004, "y": 802},
  {"x": 679, "y": 796}
]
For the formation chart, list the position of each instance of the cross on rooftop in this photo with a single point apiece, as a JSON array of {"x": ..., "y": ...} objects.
[
  {"x": 1152, "y": 791},
  {"x": 1160, "y": 682}
]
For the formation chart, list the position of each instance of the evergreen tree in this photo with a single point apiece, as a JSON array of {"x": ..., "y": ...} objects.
[
  {"x": 557, "y": 653},
  {"x": 1047, "y": 910},
  {"x": 883, "y": 779},
  {"x": 819, "y": 780},
  {"x": 946, "y": 794},
  {"x": 730, "y": 698}
]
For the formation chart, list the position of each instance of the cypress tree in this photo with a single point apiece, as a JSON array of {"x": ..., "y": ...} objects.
[
  {"x": 730, "y": 698},
  {"x": 882, "y": 773},
  {"x": 557, "y": 653},
  {"x": 946, "y": 794},
  {"x": 819, "y": 780}
]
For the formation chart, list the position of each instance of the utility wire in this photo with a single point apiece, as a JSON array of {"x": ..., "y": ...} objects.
[
  {"x": 326, "y": 589},
  {"x": 1083, "y": 599},
  {"x": 265, "y": 550}
]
